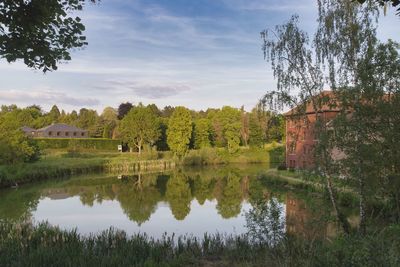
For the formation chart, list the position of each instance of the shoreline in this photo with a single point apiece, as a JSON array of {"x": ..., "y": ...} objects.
[{"x": 62, "y": 165}]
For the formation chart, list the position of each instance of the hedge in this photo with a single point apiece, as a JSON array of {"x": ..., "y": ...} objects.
[{"x": 78, "y": 143}]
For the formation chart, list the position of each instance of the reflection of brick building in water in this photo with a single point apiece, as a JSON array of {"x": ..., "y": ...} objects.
[
  {"x": 300, "y": 131},
  {"x": 300, "y": 221}
]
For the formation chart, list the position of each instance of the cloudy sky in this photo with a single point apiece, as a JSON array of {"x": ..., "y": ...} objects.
[{"x": 196, "y": 53}]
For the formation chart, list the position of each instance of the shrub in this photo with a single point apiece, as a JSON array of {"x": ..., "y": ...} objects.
[
  {"x": 76, "y": 144},
  {"x": 282, "y": 167},
  {"x": 17, "y": 148}
]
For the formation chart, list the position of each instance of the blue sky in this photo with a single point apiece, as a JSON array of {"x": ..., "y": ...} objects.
[{"x": 196, "y": 53}]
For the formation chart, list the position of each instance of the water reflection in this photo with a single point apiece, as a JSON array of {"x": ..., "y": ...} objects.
[{"x": 191, "y": 201}]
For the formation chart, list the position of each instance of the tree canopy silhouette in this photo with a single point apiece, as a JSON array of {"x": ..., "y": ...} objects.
[
  {"x": 40, "y": 32},
  {"x": 384, "y": 3}
]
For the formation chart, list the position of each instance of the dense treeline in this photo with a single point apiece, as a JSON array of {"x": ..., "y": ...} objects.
[{"x": 144, "y": 127}]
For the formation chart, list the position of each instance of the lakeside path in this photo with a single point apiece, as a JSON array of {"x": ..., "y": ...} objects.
[{"x": 296, "y": 180}]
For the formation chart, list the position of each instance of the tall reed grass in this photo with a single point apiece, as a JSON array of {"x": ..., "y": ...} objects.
[{"x": 44, "y": 245}]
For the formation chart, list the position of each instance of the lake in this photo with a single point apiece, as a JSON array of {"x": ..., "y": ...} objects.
[{"x": 191, "y": 201}]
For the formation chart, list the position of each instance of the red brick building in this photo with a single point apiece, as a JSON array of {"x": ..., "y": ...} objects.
[{"x": 300, "y": 130}]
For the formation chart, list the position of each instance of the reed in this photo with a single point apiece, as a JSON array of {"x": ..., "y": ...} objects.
[{"x": 44, "y": 245}]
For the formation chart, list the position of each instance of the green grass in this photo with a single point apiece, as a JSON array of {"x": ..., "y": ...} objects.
[
  {"x": 56, "y": 167},
  {"x": 44, "y": 245},
  {"x": 215, "y": 156},
  {"x": 57, "y": 164}
]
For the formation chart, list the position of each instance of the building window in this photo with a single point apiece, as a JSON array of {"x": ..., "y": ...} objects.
[
  {"x": 67, "y": 134},
  {"x": 292, "y": 148},
  {"x": 50, "y": 133},
  {"x": 82, "y": 134},
  {"x": 74, "y": 133},
  {"x": 58, "y": 133}
]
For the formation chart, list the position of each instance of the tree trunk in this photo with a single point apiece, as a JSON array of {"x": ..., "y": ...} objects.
[
  {"x": 340, "y": 216},
  {"x": 139, "y": 146}
]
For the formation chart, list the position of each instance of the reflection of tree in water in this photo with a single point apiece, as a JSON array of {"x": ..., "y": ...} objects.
[
  {"x": 229, "y": 195},
  {"x": 266, "y": 222},
  {"x": 203, "y": 187},
  {"x": 18, "y": 205},
  {"x": 138, "y": 197},
  {"x": 87, "y": 197},
  {"x": 257, "y": 192},
  {"x": 179, "y": 195}
]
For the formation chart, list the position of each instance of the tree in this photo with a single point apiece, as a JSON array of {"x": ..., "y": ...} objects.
[
  {"x": 230, "y": 120},
  {"x": 289, "y": 50},
  {"x": 109, "y": 114},
  {"x": 41, "y": 33},
  {"x": 167, "y": 111},
  {"x": 256, "y": 135},
  {"x": 232, "y": 136},
  {"x": 217, "y": 135},
  {"x": 179, "y": 131},
  {"x": 109, "y": 119},
  {"x": 124, "y": 109},
  {"x": 384, "y": 3},
  {"x": 368, "y": 135},
  {"x": 354, "y": 26},
  {"x": 15, "y": 146},
  {"x": 276, "y": 128},
  {"x": 88, "y": 119},
  {"x": 202, "y": 133},
  {"x": 140, "y": 126},
  {"x": 54, "y": 114},
  {"x": 244, "y": 131},
  {"x": 161, "y": 143},
  {"x": 154, "y": 109},
  {"x": 362, "y": 74}
]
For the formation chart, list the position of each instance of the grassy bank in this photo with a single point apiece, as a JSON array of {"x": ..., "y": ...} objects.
[
  {"x": 43, "y": 245},
  {"x": 215, "y": 156},
  {"x": 60, "y": 163},
  {"x": 60, "y": 166}
]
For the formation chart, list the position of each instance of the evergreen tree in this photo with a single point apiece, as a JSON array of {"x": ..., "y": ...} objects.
[
  {"x": 124, "y": 109},
  {"x": 54, "y": 114}
]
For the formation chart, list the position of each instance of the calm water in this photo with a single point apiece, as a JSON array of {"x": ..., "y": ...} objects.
[{"x": 190, "y": 201}]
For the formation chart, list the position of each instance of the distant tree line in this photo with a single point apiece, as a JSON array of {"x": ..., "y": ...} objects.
[{"x": 147, "y": 127}]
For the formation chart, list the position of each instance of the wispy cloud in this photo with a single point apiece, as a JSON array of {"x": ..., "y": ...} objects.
[
  {"x": 143, "y": 89},
  {"x": 271, "y": 5},
  {"x": 46, "y": 97}
]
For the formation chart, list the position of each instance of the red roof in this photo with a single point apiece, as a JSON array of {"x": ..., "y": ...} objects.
[{"x": 325, "y": 102}]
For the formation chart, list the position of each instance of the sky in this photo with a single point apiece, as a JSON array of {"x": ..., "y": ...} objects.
[{"x": 193, "y": 53}]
